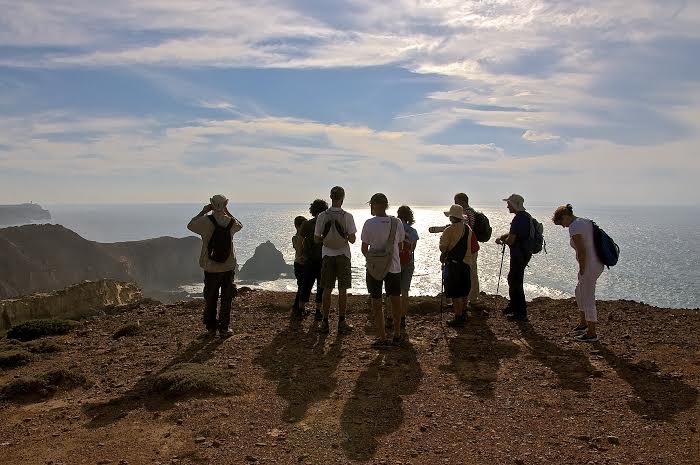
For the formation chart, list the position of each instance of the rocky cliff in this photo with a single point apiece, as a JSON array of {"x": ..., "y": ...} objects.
[
  {"x": 76, "y": 301},
  {"x": 41, "y": 258},
  {"x": 23, "y": 213}
]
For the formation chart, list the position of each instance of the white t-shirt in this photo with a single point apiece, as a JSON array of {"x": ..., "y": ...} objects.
[
  {"x": 349, "y": 229},
  {"x": 584, "y": 227},
  {"x": 376, "y": 231}
]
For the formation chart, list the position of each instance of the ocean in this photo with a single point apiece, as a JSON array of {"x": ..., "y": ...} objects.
[{"x": 659, "y": 262}]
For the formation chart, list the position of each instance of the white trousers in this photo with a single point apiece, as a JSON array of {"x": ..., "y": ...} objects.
[
  {"x": 585, "y": 292},
  {"x": 474, "y": 277}
]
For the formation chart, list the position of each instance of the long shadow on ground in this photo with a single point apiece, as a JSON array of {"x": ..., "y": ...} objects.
[
  {"x": 103, "y": 414},
  {"x": 476, "y": 357},
  {"x": 375, "y": 407},
  {"x": 572, "y": 366},
  {"x": 659, "y": 396},
  {"x": 302, "y": 367}
]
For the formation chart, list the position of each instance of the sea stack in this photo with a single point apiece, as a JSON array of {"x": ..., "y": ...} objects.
[{"x": 266, "y": 264}]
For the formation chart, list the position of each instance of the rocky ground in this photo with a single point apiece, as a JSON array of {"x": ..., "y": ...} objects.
[{"x": 494, "y": 392}]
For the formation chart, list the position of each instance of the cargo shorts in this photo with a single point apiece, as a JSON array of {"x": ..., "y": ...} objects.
[{"x": 337, "y": 267}]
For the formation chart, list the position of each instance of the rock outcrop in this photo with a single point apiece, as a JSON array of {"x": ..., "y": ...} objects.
[
  {"x": 266, "y": 264},
  {"x": 23, "y": 213},
  {"x": 42, "y": 258},
  {"x": 76, "y": 301}
]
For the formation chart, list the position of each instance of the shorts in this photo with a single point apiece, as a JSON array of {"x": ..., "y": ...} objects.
[
  {"x": 392, "y": 284},
  {"x": 457, "y": 280},
  {"x": 407, "y": 270},
  {"x": 337, "y": 267}
]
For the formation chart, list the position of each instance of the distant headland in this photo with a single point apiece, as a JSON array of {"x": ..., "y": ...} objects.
[{"x": 22, "y": 214}]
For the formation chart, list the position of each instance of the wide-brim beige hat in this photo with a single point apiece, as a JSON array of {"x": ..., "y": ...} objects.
[
  {"x": 455, "y": 211},
  {"x": 516, "y": 201}
]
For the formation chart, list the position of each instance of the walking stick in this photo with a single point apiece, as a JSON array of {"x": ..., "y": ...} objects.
[
  {"x": 498, "y": 286},
  {"x": 442, "y": 289}
]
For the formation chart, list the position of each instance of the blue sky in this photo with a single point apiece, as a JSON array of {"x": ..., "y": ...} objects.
[{"x": 275, "y": 101}]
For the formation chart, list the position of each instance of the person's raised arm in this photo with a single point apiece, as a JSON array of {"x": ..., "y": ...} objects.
[{"x": 194, "y": 225}]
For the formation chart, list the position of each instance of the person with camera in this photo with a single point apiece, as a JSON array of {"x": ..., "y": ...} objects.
[
  {"x": 457, "y": 245},
  {"x": 218, "y": 260}
]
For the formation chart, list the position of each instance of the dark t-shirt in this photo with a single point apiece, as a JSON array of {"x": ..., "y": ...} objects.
[
  {"x": 311, "y": 250},
  {"x": 520, "y": 227}
]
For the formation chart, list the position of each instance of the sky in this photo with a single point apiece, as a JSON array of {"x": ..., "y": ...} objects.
[{"x": 561, "y": 101}]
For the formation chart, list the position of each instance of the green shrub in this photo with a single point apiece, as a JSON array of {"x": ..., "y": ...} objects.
[
  {"x": 194, "y": 378},
  {"x": 14, "y": 358},
  {"x": 130, "y": 329},
  {"x": 41, "y": 386},
  {"x": 34, "y": 329}
]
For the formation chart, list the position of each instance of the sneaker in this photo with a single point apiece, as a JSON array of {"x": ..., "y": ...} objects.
[
  {"x": 323, "y": 328},
  {"x": 514, "y": 317},
  {"x": 344, "y": 327},
  {"x": 318, "y": 316},
  {"x": 225, "y": 333},
  {"x": 456, "y": 322},
  {"x": 586, "y": 338}
]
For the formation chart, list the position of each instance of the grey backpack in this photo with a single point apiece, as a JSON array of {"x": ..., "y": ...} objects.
[
  {"x": 334, "y": 230},
  {"x": 379, "y": 261}
]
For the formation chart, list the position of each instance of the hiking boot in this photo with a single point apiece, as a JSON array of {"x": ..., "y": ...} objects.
[
  {"x": 580, "y": 329},
  {"x": 508, "y": 310},
  {"x": 381, "y": 343},
  {"x": 209, "y": 334},
  {"x": 297, "y": 313},
  {"x": 225, "y": 333},
  {"x": 344, "y": 327},
  {"x": 516, "y": 317},
  {"x": 389, "y": 322},
  {"x": 585, "y": 337},
  {"x": 318, "y": 316},
  {"x": 323, "y": 328},
  {"x": 403, "y": 322},
  {"x": 399, "y": 340},
  {"x": 456, "y": 322}
]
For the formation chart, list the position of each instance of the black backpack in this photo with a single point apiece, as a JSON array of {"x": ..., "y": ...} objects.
[
  {"x": 482, "y": 227},
  {"x": 607, "y": 250},
  {"x": 219, "y": 246},
  {"x": 311, "y": 249},
  {"x": 535, "y": 241},
  {"x": 457, "y": 253}
]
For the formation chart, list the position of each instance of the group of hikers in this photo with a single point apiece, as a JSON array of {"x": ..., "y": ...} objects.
[{"x": 323, "y": 258}]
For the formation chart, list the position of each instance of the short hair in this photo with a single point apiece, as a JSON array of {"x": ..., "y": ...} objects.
[
  {"x": 298, "y": 221},
  {"x": 461, "y": 197},
  {"x": 317, "y": 207},
  {"x": 561, "y": 211},
  {"x": 405, "y": 214},
  {"x": 337, "y": 193}
]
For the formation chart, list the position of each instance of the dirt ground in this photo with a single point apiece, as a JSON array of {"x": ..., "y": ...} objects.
[{"x": 494, "y": 392}]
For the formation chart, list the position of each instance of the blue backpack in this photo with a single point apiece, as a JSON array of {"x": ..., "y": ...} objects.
[{"x": 607, "y": 250}]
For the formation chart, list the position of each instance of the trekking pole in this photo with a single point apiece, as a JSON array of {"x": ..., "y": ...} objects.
[
  {"x": 442, "y": 289},
  {"x": 498, "y": 286}
]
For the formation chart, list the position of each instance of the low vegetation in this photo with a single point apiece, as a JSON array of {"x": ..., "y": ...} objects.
[
  {"x": 131, "y": 329},
  {"x": 35, "y": 329},
  {"x": 14, "y": 358},
  {"x": 42, "y": 386},
  {"x": 193, "y": 378}
]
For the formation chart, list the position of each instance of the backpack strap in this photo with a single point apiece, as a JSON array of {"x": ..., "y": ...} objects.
[
  {"x": 217, "y": 225},
  {"x": 392, "y": 235}
]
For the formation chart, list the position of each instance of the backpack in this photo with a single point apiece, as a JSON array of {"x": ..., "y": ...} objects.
[
  {"x": 219, "y": 246},
  {"x": 334, "y": 231},
  {"x": 482, "y": 227},
  {"x": 535, "y": 241},
  {"x": 607, "y": 250},
  {"x": 379, "y": 261},
  {"x": 405, "y": 252},
  {"x": 311, "y": 250}
]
